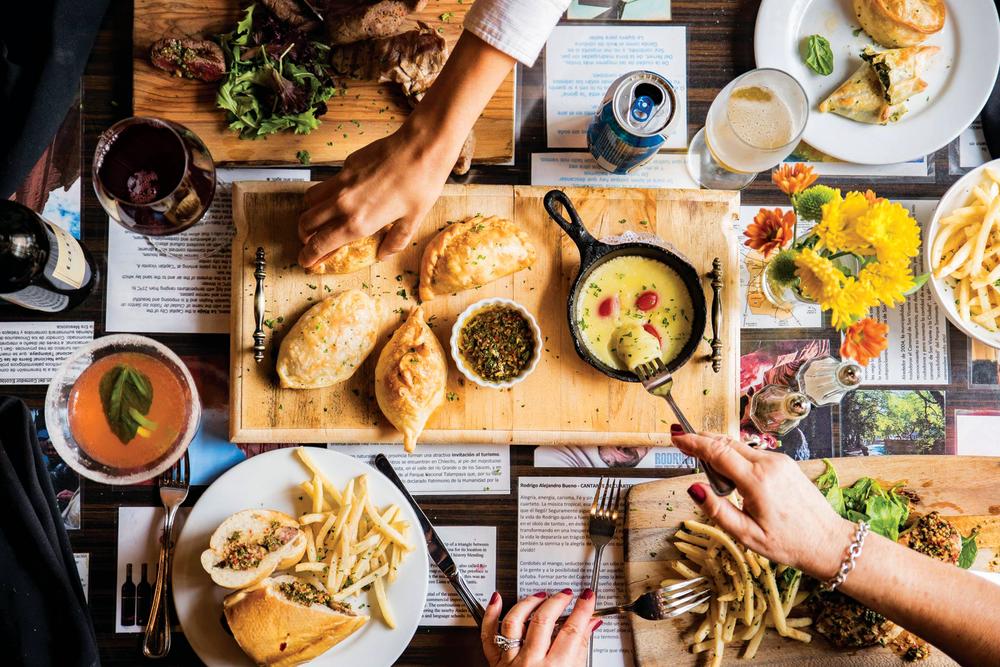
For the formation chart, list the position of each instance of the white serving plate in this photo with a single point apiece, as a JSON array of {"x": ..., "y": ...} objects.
[
  {"x": 960, "y": 76},
  {"x": 956, "y": 196},
  {"x": 270, "y": 481}
]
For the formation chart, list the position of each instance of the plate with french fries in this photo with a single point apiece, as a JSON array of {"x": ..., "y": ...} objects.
[
  {"x": 363, "y": 548},
  {"x": 962, "y": 251}
]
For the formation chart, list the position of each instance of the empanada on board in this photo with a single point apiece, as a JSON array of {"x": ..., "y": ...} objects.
[
  {"x": 410, "y": 377},
  {"x": 471, "y": 253},
  {"x": 352, "y": 257},
  {"x": 329, "y": 342}
]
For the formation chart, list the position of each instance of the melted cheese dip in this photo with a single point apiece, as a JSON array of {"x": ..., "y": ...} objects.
[{"x": 633, "y": 290}]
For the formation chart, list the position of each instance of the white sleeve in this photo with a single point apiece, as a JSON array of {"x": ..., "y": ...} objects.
[{"x": 519, "y": 28}]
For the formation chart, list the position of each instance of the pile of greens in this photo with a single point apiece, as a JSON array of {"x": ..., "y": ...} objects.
[
  {"x": 278, "y": 77},
  {"x": 885, "y": 510}
]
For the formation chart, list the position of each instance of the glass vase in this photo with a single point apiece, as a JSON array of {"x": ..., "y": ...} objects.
[{"x": 788, "y": 296}]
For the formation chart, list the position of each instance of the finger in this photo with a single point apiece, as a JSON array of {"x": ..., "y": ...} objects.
[
  {"x": 397, "y": 237},
  {"x": 321, "y": 191},
  {"x": 543, "y": 622},
  {"x": 512, "y": 625},
  {"x": 727, "y": 515},
  {"x": 489, "y": 629},
  {"x": 325, "y": 241},
  {"x": 315, "y": 217},
  {"x": 571, "y": 642},
  {"x": 717, "y": 451}
]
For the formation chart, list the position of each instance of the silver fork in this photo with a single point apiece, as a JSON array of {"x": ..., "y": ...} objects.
[
  {"x": 663, "y": 603},
  {"x": 174, "y": 485},
  {"x": 603, "y": 519},
  {"x": 658, "y": 381}
]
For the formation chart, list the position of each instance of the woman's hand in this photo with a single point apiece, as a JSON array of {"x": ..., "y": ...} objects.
[
  {"x": 784, "y": 516},
  {"x": 539, "y": 648}
]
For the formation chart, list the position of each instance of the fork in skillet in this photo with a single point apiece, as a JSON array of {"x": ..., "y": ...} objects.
[{"x": 658, "y": 381}]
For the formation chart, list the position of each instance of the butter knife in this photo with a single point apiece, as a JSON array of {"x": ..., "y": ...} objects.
[{"x": 435, "y": 545}]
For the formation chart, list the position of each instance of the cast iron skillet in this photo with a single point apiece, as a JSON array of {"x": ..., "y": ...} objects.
[{"x": 593, "y": 253}]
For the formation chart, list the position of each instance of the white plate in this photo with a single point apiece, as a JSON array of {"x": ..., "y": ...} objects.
[
  {"x": 956, "y": 197},
  {"x": 960, "y": 76},
  {"x": 270, "y": 481}
]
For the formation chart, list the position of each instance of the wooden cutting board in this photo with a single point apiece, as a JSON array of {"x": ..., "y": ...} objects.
[
  {"x": 564, "y": 401},
  {"x": 366, "y": 112},
  {"x": 966, "y": 489}
]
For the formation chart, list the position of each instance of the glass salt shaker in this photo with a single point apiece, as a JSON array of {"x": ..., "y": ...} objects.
[
  {"x": 827, "y": 380},
  {"x": 778, "y": 409}
]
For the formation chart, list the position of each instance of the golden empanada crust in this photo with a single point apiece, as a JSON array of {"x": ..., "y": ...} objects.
[
  {"x": 472, "y": 253},
  {"x": 352, "y": 257},
  {"x": 898, "y": 23}
]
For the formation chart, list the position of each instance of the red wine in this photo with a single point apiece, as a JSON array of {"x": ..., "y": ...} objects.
[
  {"x": 42, "y": 267},
  {"x": 128, "y": 598},
  {"x": 143, "y": 598}
]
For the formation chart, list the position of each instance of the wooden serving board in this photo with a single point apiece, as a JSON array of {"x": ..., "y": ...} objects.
[
  {"x": 563, "y": 401},
  {"x": 367, "y": 111},
  {"x": 966, "y": 489}
]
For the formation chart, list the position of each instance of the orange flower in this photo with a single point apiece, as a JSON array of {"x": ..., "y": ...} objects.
[
  {"x": 770, "y": 231},
  {"x": 872, "y": 197},
  {"x": 793, "y": 179},
  {"x": 864, "y": 341}
]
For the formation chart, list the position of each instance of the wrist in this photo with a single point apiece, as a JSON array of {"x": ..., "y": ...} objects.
[
  {"x": 825, "y": 560},
  {"x": 431, "y": 138}
]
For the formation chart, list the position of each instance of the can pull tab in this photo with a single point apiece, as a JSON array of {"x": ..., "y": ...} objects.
[{"x": 642, "y": 109}]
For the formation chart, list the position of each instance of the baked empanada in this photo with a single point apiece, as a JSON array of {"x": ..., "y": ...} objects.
[
  {"x": 410, "y": 377},
  {"x": 352, "y": 257},
  {"x": 329, "y": 342},
  {"x": 472, "y": 253},
  {"x": 878, "y": 90},
  {"x": 896, "y": 23}
]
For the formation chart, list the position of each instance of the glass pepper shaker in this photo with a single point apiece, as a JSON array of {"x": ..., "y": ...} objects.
[
  {"x": 778, "y": 409},
  {"x": 826, "y": 380}
]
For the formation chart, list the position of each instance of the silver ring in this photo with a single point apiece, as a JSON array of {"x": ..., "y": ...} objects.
[{"x": 506, "y": 643}]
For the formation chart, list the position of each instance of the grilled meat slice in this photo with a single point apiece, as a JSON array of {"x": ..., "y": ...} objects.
[
  {"x": 849, "y": 624},
  {"x": 413, "y": 59},
  {"x": 200, "y": 59},
  {"x": 934, "y": 536},
  {"x": 292, "y": 13},
  {"x": 349, "y": 24}
]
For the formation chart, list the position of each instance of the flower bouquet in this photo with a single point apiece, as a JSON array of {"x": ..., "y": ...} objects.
[{"x": 857, "y": 255}]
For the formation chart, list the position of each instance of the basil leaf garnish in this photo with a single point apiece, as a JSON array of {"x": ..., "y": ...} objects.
[{"x": 126, "y": 396}]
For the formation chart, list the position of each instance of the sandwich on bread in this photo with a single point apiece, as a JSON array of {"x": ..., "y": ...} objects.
[
  {"x": 250, "y": 545},
  {"x": 287, "y": 620}
]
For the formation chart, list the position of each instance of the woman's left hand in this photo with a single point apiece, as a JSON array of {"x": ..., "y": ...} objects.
[{"x": 539, "y": 649}]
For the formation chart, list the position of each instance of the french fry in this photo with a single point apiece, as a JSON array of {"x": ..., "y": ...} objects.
[
  {"x": 383, "y": 603},
  {"x": 328, "y": 487},
  {"x": 361, "y": 583}
]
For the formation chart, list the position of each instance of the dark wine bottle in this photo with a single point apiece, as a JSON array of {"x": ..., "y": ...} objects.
[
  {"x": 128, "y": 598},
  {"x": 42, "y": 267},
  {"x": 143, "y": 598}
]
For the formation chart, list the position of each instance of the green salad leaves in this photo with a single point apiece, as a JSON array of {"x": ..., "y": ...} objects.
[
  {"x": 885, "y": 510},
  {"x": 278, "y": 77},
  {"x": 819, "y": 54},
  {"x": 126, "y": 396}
]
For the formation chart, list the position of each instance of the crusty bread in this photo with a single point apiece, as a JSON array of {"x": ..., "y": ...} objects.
[
  {"x": 250, "y": 527},
  {"x": 273, "y": 630}
]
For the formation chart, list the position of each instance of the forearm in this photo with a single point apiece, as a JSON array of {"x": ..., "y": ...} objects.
[
  {"x": 453, "y": 104},
  {"x": 953, "y": 609}
]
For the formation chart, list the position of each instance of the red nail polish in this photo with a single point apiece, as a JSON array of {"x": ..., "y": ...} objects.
[
  {"x": 697, "y": 493},
  {"x": 541, "y": 595},
  {"x": 587, "y": 594},
  {"x": 675, "y": 429},
  {"x": 494, "y": 599},
  {"x": 567, "y": 591},
  {"x": 597, "y": 625}
]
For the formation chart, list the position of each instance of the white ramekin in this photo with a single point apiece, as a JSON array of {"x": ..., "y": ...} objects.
[{"x": 476, "y": 307}]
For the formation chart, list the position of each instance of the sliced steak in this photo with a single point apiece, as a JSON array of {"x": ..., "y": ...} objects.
[{"x": 200, "y": 59}]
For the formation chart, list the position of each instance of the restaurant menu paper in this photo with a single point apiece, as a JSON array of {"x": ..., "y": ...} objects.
[
  {"x": 665, "y": 170},
  {"x": 976, "y": 432},
  {"x": 443, "y": 470},
  {"x": 139, "y": 530},
  {"x": 32, "y": 352},
  {"x": 972, "y": 149},
  {"x": 570, "y": 456},
  {"x": 179, "y": 284},
  {"x": 825, "y": 165},
  {"x": 757, "y": 312},
  {"x": 554, "y": 552},
  {"x": 474, "y": 549},
  {"x": 581, "y": 62},
  {"x": 918, "y": 330},
  {"x": 629, "y": 10},
  {"x": 83, "y": 569}
]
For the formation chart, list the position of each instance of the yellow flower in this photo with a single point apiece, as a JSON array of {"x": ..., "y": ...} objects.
[
  {"x": 888, "y": 281},
  {"x": 837, "y": 228},
  {"x": 819, "y": 278},
  {"x": 892, "y": 231},
  {"x": 850, "y": 304}
]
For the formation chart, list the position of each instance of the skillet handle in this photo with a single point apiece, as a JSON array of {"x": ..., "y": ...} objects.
[{"x": 574, "y": 226}]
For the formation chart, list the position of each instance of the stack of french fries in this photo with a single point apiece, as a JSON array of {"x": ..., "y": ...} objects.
[
  {"x": 349, "y": 540},
  {"x": 966, "y": 253},
  {"x": 746, "y": 602}
]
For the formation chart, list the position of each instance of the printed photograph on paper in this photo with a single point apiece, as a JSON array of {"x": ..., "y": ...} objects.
[{"x": 877, "y": 422}]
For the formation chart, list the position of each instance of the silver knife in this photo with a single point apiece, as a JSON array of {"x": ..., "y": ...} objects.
[{"x": 435, "y": 546}]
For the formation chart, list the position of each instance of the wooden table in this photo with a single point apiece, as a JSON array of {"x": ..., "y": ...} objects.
[{"x": 720, "y": 42}]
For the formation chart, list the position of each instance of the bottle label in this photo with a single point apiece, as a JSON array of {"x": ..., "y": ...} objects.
[
  {"x": 38, "y": 298},
  {"x": 67, "y": 266}
]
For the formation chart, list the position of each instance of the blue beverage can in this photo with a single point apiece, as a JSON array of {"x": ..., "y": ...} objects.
[{"x": 632, "y": 122}]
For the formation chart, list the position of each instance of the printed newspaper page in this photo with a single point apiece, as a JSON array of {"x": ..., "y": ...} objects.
[
  {"x": 474, "y": 549},
  {"x": 33, "y": 351}
]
